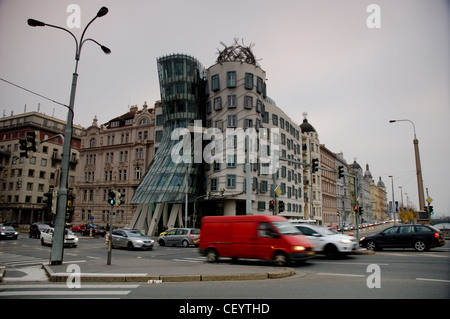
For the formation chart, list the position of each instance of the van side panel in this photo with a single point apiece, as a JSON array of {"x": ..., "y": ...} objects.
[{"x": 243, "y": 236}]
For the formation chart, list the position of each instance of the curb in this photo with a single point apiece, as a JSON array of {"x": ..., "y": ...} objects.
[{"x": 99, "y": 277}]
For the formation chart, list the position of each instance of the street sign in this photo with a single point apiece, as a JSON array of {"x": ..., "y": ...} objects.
[{"x": 429, "y": 200}]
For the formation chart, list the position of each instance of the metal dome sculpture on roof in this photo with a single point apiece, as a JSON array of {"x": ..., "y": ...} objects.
[
  {"x": 305, "y": 126},
  {"x": 237, "y": 53}
]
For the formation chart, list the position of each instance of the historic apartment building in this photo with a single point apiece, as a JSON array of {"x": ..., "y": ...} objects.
[
  {"x": 113, "y": 156},
  {"x": 24, "y": 181},
  {"x": 328, "y": 185}
]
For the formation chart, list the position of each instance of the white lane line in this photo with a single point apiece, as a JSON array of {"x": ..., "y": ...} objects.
[{"x": 430, "y": 279}]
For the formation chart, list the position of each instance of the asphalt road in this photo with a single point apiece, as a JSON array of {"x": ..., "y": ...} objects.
[{"x": 391, "y": 273}]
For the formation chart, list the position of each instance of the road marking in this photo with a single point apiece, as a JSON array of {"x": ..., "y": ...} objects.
[
  {"x": 63, "y": 293},
  {"x": 332, "y": 274},
  {"x": 430, "y": 279}
]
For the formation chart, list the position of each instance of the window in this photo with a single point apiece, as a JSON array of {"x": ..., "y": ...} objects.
[
  {"x": 248, "y": 102},
  {"x": 217, "y": 103},
  {"x": 231, "y": 122},
  {"x": 231, "y": 79},
  {"x": 249, "y": 81},
  {"x": 159, "y": 119},
  {"x": 158, "y": 136},
  {"x": 259, "y": 85},
  {"x": 231, "y": 181},
  {"x": 214, "y": 182},
  {"x": 215, "y": 85},
  {"x": 275, "y": 119},
  {"x": 231, "y": 101}
]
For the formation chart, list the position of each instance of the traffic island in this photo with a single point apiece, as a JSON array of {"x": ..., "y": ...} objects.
[{"x": 123, "y": 277}]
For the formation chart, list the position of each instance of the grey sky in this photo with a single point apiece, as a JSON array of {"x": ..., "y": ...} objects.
[{"x": 319, "y": 56}]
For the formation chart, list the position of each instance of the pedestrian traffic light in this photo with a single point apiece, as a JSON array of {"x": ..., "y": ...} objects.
[
  {"x": 341, "y": 171},
  {"x": 118, "y": 199},
  {"x": 281, "y": 206},
  {"x": 315, "y": 165},
  {"x": 272, "y": 204},
  {"x": 111, "y": 198}
]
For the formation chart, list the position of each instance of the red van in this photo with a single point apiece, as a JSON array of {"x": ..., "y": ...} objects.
[{"x": 264, "y": 237}]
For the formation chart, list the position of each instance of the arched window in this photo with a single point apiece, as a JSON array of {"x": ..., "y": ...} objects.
[
  {"x": 92, "y": 142},
  {"x": 143, "y": 121}
]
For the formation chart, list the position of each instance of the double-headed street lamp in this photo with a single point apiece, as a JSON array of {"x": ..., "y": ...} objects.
[
  {"x": 58, "y": 239},
  {"x": 418, "y": 166}
]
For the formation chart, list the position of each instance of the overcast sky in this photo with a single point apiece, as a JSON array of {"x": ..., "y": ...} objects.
[{"x": 319, "y": 56}]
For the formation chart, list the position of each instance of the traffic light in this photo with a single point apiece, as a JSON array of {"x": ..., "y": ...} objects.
[
  {"x": 341, "y": 171},
  {"x": 431, "y": 210},
  {"x": 24, "y": 146},
  {"x": 315, "y": 165},
  {"x": 355, "y": 209},
  {"x": 111, "y": 198},
  {"x": 272, "y": 204},
  {"x": 31, "y": 138},
  {"x": 360, "y": 211},
  {"x": 281, "y": 206},
  {"x": 48, "y": 200},
  {"x": 118, "y": 199}
]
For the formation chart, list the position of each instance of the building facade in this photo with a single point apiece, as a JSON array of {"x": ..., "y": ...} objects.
[
  {"x": 328, "y": 185},
  {"x": 25, "y": 180},
  {"x": 113, "y": 156}
]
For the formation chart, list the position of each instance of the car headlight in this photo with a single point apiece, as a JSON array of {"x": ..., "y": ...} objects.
[
  {"x": 345, "y": 241},
  {"x": 298, "y": 248},
  {"x": 362, "y": 238}
]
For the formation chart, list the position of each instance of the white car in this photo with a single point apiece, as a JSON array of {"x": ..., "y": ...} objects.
[
  {"x": 327, "y": 241},
  {"x": 69, "y": 238}
]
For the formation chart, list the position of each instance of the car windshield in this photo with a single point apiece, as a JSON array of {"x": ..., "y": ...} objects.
[
  {"x": 286, "y": 228},
  {"x": 135, "y": 233},
  {"x": 7, "y": 228}
]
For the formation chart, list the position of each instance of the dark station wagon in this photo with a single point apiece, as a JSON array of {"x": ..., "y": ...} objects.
[{"x": 419, "y": 237}]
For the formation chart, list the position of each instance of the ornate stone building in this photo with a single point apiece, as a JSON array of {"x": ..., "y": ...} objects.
[{"x": 113, "y": 156}]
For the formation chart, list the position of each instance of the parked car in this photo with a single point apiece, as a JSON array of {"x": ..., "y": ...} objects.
[
  {"x": 69, "y": 238},
  {"x": 96, "y": 231},
  {"x": 77, "y": 228},
  {"x": 12, "y": 223},
  {"x": 36, "y": 229},
  {"x": 255, "y": 237},
  {"x": 327, "y": 241},
  {"x": 8, "y": 232},
  {"x": 131, "y": 238},
  {"x": 419, "y": 237},
  {"x": 179, "y": 237}
]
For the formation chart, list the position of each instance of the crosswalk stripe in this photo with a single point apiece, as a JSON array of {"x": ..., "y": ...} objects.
[
  {"x": 8, "y": 290},
  {"x": 7, "y": 259}
]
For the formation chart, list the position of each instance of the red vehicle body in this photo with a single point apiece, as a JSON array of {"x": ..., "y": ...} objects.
[{"x": 263, "y": 237}]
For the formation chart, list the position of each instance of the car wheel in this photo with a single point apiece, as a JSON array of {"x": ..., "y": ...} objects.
[
  {"x": 211, "y": 255},
  {"x": 130, "y": 245},
  {"x": 185, "y": 243},
  {"x": 331, "y": 251},
  {"x": 42, "y": 242},
  {"x": 371, "y": 245},
  {"x": 279, "y": 258},
  {"x": 420, "y": 245},
  {"x": 161, "y": 242}
]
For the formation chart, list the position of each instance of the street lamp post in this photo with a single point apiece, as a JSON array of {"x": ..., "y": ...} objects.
[
  {"x": 418, "y": 166},
  {"x": 58, "y": 238}
]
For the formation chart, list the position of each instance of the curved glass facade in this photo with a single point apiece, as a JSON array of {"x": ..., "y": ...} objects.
[{"x": 183, "y": 101}]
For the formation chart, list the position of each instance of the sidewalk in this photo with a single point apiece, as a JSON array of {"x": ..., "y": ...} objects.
[{"x": 144, "y": 270}]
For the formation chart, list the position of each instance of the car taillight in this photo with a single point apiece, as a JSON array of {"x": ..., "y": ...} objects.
[
  {"x": 192, "y": 236},
  {"x": 437, "y": 235}
]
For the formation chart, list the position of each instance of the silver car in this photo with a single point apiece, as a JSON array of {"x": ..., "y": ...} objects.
[
  {"x": 131, "y": 238},
  {"x": 179, "y": 236}
]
